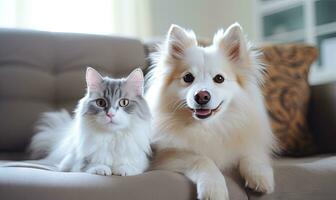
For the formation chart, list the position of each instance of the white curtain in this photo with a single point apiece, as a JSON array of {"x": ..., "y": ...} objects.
[{"x": 125, "y": 17}]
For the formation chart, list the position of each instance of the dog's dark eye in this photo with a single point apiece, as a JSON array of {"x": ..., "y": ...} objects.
[
  {"x": 188, "y": 78},
  {"x": 123, "y": 102},
  {"x": 101, "y": 103},
  {"x": 218, "y": 78}
]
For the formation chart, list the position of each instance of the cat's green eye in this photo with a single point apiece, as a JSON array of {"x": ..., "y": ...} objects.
[
  {"x": 123, "y": 102},
  {"x": 101, "y": 103}
]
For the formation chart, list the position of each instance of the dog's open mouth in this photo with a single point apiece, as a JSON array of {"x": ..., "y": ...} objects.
[{"x": 202, "y": 113}]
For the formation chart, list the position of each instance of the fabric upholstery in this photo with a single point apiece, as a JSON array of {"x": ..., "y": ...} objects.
[
  {"x": 38, "y": 169},
  {"x": 306, "y": 178},
  {"x": 29, "y": 184},
  {"x": 295, "y": 179},
  {"x": 12, "y": 156},
  {"x": 287, "y": 93},
  {"x": 43, "y": 71},
  {"x": 322, "y": 116}
]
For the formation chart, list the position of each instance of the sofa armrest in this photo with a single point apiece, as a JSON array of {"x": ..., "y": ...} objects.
[{"x": 322, "y": 116}]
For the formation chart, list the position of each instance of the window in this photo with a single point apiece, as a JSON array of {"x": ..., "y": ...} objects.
[{"x": 127, "y": 17}]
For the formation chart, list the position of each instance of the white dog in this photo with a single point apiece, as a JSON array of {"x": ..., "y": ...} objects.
[{"x": 209, "y": 113}]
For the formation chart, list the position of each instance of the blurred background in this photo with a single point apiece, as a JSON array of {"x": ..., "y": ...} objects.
[{"x": 280, "y": 21}]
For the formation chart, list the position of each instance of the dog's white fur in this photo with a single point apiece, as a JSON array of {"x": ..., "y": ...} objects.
[{"x": 238, "y": 135}]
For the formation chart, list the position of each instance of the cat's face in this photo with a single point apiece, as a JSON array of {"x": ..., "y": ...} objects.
[{"x": 112, "y": 104}]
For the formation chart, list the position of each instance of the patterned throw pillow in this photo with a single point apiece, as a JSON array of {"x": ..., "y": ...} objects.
[{"x": 287, "y": 94}]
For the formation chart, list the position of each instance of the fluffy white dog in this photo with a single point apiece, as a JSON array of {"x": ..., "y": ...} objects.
[{"x": 209, "y": 113}]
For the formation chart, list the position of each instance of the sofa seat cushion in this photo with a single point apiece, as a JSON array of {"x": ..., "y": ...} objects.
[
  {"x": 31, "y": 183},
  {"x": 306, "y": 178},
  {"x": 28, "y": 183}
]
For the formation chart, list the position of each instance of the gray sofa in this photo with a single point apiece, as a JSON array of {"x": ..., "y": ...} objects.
[{"x": 42, "y": 71}]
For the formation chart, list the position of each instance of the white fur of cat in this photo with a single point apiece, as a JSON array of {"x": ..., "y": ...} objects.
[{"x": 97, "y": 143}]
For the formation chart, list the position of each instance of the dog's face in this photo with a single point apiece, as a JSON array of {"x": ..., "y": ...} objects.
[
  {"x": 202, "y": 81},
  {"x": 206, "y": 83}
]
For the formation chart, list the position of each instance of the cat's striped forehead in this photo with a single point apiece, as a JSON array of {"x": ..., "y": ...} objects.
[{"x": 111, "y": 90}]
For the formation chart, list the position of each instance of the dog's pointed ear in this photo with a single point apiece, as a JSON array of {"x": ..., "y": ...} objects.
[
  {"x": 93, "y": 79},
  {"x": 232, "y": 42},
  {"x": 178, "y": 40}
]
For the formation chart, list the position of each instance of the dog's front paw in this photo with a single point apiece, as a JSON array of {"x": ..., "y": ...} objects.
[
  {"x": 103, "y": 170},
  {"x": 260, "y": 181},
  {"x": 125, "y": 170},
  {"x": 213, "y": 191}
]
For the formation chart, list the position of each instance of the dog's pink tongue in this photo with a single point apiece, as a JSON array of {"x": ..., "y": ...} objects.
[{"x": 203, "y": 111}]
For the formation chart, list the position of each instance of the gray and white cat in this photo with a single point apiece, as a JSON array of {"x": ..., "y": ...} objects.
[{"x": 109, "y": 133}]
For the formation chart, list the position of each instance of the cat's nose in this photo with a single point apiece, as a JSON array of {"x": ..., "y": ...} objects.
[
  {"x": 110, "y": 115},
  {"x": 202, "y": 97}
]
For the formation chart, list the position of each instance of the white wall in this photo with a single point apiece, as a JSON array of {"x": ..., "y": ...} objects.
[{"x": 203, "y": 16}]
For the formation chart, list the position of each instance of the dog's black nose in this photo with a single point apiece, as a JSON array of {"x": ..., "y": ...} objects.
[{"x": 202, "y": 97}]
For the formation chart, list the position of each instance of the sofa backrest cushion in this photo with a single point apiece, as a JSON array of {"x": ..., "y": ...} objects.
[{"x": 44, "y": 71}]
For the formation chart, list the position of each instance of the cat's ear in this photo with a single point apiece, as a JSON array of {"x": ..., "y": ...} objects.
[
  {"x": 232, "y": 43},
  {"x": 135, "y": 81},
  {"x": 93, "y": 79},
  {"x": 178, "y": 40}
]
